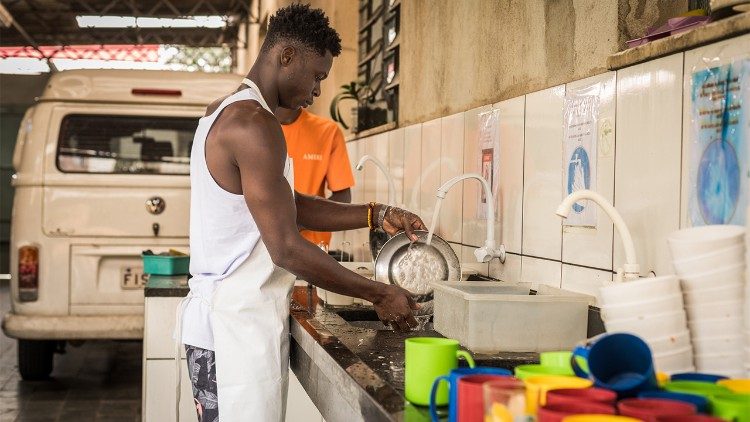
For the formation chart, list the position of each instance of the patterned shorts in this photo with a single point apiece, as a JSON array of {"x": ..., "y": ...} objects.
[{"x": 202, "y": 369}]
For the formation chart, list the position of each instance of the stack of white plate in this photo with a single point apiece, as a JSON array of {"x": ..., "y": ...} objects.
[
  {"x": 651, "y": 308},
  {"x": 710, "y": 261}
]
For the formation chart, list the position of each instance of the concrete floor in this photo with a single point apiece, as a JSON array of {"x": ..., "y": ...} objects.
[{"x": 98, "y": 381}]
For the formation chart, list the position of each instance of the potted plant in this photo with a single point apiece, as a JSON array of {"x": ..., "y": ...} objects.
[{"x": 352, "y": 91}]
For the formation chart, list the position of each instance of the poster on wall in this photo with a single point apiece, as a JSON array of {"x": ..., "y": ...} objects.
[
  {"x": 581, "y": 115},
  {"x": 719, "y": 126},
  {"x": 489, "y": 156}
]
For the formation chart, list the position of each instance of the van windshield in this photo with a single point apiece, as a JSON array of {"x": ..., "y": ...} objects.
[{"x": 125, "y": 144}]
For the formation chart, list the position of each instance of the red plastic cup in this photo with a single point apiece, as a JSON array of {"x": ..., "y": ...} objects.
[
  {"x": 650, "y": 410},
  {"x": 557, "y": 412},
  {"x": 578, "y": 395},
  {"x": 471, "y": 397},
  {"x": 689, "y": 418}
]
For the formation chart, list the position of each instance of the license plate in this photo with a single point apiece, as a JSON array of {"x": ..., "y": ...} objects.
[{"x": 133, "y": 278}]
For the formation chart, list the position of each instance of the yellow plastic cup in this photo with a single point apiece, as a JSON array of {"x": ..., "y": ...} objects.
[
  {"x": 599, "y": 418},
  {"x": 662, "y": 378},
  {"x": 537, "y": 388},
  {"x": 737, "y": 385}
]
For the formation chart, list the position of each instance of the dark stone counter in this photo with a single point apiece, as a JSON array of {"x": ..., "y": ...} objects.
[
  {"x": 352, "y": 367},
  {"x": 166, "y": 286}
]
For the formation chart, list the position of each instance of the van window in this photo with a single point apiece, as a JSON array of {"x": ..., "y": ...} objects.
[{"x": 125, "y": 144}]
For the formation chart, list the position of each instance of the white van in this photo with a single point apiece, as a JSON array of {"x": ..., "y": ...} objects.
[{"x": 102, "y": 163}]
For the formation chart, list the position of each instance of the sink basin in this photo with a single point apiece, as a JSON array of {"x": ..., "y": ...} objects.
[{"x": 489, "y": 317}]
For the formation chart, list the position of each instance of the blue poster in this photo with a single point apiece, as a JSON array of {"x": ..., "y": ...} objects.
[{"x": 719, "y": 151}]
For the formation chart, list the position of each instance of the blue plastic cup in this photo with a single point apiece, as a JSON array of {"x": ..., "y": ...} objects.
[
  {"x": 452, "y": 380},
  {"x": 619, "y": 362}
]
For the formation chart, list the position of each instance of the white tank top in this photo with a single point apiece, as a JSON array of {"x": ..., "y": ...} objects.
[{"x": 223, "y": 233}]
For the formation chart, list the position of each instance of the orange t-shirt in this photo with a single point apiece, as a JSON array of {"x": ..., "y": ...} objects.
[{"x": 317, "y": 147}]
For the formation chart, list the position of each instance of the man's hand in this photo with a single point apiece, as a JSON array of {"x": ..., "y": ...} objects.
[
  {"x": 397, "y": 219},
  {"x": 394, "y": 306}
]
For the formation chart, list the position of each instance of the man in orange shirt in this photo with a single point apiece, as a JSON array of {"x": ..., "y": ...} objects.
[{"x": 317, "y": 148}]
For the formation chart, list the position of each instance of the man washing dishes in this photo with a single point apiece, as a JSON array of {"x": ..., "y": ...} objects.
[
  {"x": 244, "y": 241},
  {"x": 318, "y": 151}
]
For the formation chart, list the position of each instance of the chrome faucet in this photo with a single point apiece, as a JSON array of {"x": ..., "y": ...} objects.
[
  {"x": 490, "y": 249},
  {"x": 631, "y": 269}
]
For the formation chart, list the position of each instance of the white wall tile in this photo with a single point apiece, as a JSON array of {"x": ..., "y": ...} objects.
[
  {"x": 647, "y": 190},
  {"x": 712, "y": 55},
  {"x": 510, "y": 188},
  {"x": 542, "y": 228},
  {"x": 430, "y": 172},
  {"x": 510, "y": 271},
  {"x": 452, "y": 165},
  {"x": 541, "y": 271},
  {"x": 356, "y": 238},
  {"x": 396, "y": 162},
  {"x": 412, "y": 167},
  {"x": 593, "y": 246},
  {"x": 377, "y": 147},
  {"x": 474, "y": 230},
  {"x": 584, "y": 280}
]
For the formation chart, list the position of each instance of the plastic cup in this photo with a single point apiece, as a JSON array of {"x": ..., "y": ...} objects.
[
  {"x": 704, "y": 389},
  {"x": 715, "y": 327},
  {"x": 504, "y": 400},
  {"x": 721, "y": 258},
  {"x": 470, "y": 406},
  {"x": 711, "y": 345},
  {"x": 452, "y": 384},
  {"x": 650, "y": 409},
  {"x": 643, "y": 308},
  {"x": 726, "y": 309},
  {"x": 718, "y": 278},
  {"x": 689, "y": 418},
  {"x": 532, "y": 370},
  {"x": 700, "y": 402},
  {"x": 731, "y": 407},
  {"x": 669, "y": 323},
  {"x": 696, "y": 241},
  {"x": 698, "y": 376},
  {"x": 599, "y": 418},
  {"x": 557, "y": 412},
  {"x": 577, "y": 395},
  {"x": 635, "y": 291},
  {"x": 674, "y": 361},
  {"x": 719, "y": 362},
  {"x": 560, "y": 359},
  {"x": 736, "y": 385},
  {"x": 427, "y": 358},
  {"x": 712, "y": 294},
  {"x": 538, "y": 386},
  {"x": 669, "y": 343}
]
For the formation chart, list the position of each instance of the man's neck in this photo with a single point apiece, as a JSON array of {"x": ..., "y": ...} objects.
[
  {"x": 287, "y": 116},
  {"x": 265, "y": 80}
]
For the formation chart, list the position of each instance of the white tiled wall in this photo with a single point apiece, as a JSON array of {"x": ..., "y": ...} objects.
[
  {"x": 642, "y": 145},
  {"x": 542, "y": 229},
  {"x": 592, "y": 247},
  {"x": 376, "y": 184},
  {"x": 474, "y": 230},
  {"x": 649, "y": 127},
  {"x": 429, "y": 175},
  {"x": 451, "y": 165}
]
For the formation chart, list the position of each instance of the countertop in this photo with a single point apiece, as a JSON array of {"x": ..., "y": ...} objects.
[
  {"x": 712, "y": 32},
  {"x": 355, "y": 373},
  {"x": 166, "y": 286}
]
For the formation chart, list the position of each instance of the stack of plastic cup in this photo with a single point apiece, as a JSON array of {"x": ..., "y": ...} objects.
[
  {"x": 710, "y": 262},
  {"x": 651, "y": 308}
]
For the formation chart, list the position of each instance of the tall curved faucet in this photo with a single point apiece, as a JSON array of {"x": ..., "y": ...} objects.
[
  {"x": 384, "y": 169},
  {"x": 631, "y": 269},
  {"x": 490, "y": 249}
]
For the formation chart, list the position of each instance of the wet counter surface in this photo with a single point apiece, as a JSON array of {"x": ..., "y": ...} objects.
[{"x": 352, "y": 367}]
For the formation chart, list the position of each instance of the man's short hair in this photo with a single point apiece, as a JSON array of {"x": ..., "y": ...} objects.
[{"x": 300, "y": 24}]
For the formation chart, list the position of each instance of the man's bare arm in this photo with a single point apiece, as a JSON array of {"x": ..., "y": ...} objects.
[
  {"x": 257, "y": 144},
  {"x": 344, "y": 196}
]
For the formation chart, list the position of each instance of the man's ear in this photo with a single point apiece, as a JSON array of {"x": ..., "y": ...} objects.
[{"x": 288, "y": 53}]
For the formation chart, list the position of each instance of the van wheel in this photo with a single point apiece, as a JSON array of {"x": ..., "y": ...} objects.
[{"x": 35, "y": 359}]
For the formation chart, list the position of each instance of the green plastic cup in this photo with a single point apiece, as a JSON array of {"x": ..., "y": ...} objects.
[
  {"x": 532, "y": 370},
  {"x": 705, "y": 389},
  {"x": 731, "y": 407},
  {"x": 560, "y": 359},
  {"x": 426, "y": 359}
]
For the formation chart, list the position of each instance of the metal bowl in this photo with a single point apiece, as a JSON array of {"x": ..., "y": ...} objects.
[{"x": 413, "y": 265}]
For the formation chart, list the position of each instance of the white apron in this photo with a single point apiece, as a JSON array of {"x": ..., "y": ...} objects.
[{"x": 249, "y": 313}]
